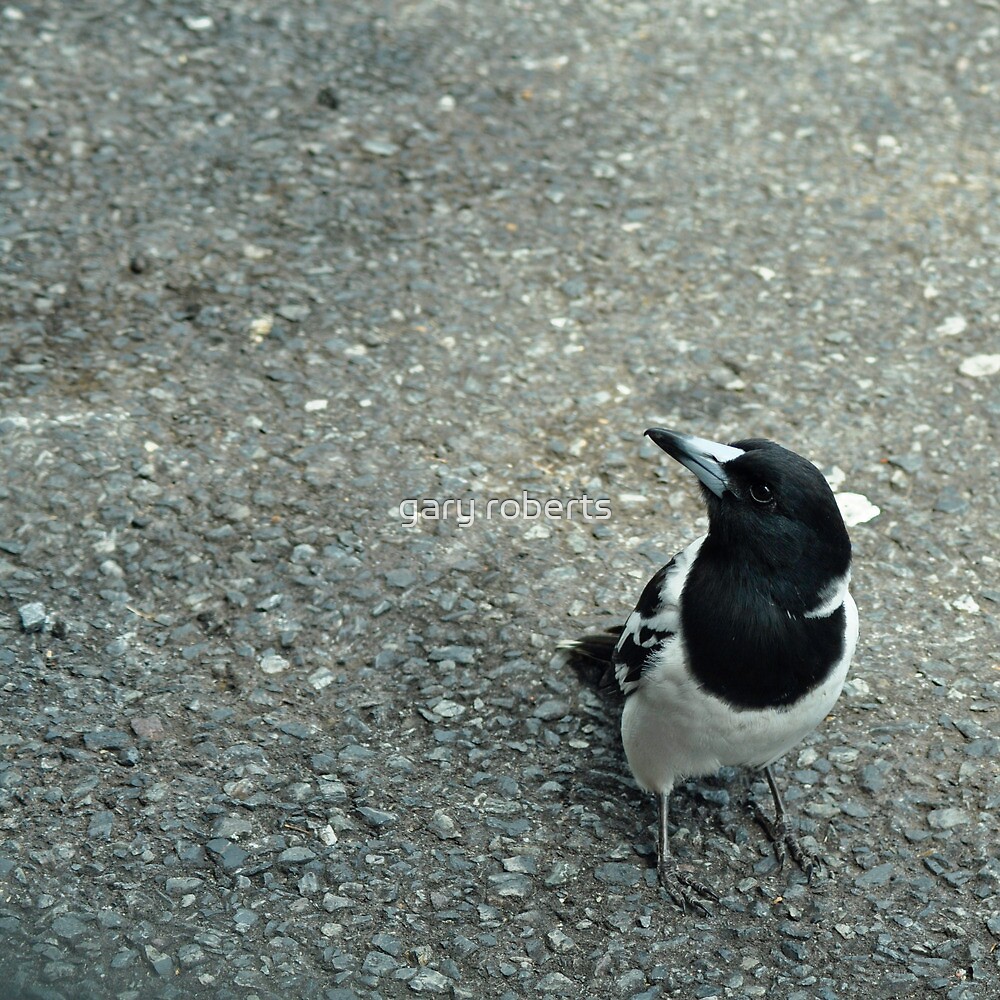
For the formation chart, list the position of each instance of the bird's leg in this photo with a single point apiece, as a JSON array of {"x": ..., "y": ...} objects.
[
  {"x": 682, "y": 886},
  {"x": 778, "y": 831}
]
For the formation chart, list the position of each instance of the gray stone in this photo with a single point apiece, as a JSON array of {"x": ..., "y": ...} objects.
[
  {"x": 551, "y": 709},
  {"x": 150, "y": 728},
  {"x": 69, "y": 927},
  {"x": 190, "y": 954},
  {"x": 511, "y": 884},
  {"x": 293, "y": 313},
  {"x": 228, "y": 854},
  {"x": 950, "y": 501},
  {"x": 179, "y": 885},
  {"x": 377, "y": 817},
  {"x": 947, "y": 819},
  {"x": 561, "y": 873},
  {"x": 523, "y": 863},
  {"x": 162, "y": 963},
  {"x": 244, "y": 918},
  {"x": 100, "y": 825},
  {"x": 877, "y": 876},
  {"x": 618, "y": 873},
  {"x": 33, "y": 616},
  {"x": 443, "y": 826},
  {"x": 106, "y": 739},
  {"x": 296, "y": 856},
  {"x": 560, "y": 941},
  {"x": 556, "y": 982},
  {"x": 457, "y": 654},
  {"x": 380, "y": 147},
  {"x": 377, "y": 963},
  {"x": 429, "y": 981},
  {"x": 231, "y": 827}
]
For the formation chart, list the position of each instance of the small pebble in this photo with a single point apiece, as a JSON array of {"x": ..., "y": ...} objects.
[
  {"x": 511, "y": 884},
  {"x": 953, "y": 326},
  {"x": 401, "y": 578},
  {"x": 556, "y": 982},
  {"x": 458, "y": 654},
  {"x": 228, "y": 854},
  {"x": 33, "y": 617},
  {"x": 273, "y": 664},
  {"x": 321, "y": 678},
  {"x": 430, "y": 981},
  {"x": 162, "y": 963},
  {"x": 443, "y": 826},
  {"x": 980, "y": 365},
  {"x": 950, "y": 501},
  {"x": 69, "y": 927},
  {"x": 560, "y": 941},
  {"x": 106, "y": 739},
  {"x": 376, "y": 817},
  {"x": 148, "y": 728},
  {"x": 294, "y": 314},
  {"x": 198, "y": 24},
  {"x": 947, "y": 819},
  {"x": 550, "y": 710},
  {"x": 296, "y": 856},
  {"x": 380, "y": 147},
  {"x": 231, "y": 827},
  {"x": 856, "y": 508},
  {"x": 879, "y": 875}
]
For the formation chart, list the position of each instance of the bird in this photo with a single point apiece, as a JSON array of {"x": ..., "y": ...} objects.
[{"x": 740, "y": 645}]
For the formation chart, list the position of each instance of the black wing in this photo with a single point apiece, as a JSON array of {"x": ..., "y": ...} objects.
[{"x": 645, "y": 629}]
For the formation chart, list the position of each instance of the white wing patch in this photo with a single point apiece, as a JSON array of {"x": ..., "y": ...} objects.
[{"x": 655, "y": 621}]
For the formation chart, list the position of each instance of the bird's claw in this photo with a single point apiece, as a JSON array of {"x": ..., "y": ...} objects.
[
  {"x": 785, "y": 842},
  {"x": 686, "y": 889}
]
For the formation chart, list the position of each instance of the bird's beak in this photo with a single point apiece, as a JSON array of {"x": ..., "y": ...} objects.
[{"x": 704, "y": 458}]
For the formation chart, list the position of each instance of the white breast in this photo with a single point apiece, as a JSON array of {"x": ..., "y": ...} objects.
[{"x": 673, "y": 728}]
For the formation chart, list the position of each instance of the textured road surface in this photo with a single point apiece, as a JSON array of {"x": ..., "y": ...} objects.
[{"x": 269, "y": 270}]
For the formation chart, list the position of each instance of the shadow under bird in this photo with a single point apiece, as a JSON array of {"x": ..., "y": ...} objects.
[{"x": 739, "y": 647}]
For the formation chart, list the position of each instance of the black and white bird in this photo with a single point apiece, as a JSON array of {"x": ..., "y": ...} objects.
[{"x": 739, "y": 647}]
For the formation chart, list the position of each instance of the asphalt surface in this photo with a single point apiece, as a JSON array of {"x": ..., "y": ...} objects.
[{"x": 269, "y": 271}]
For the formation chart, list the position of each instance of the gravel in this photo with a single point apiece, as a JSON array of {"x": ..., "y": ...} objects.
[{"x": 282, "y": 269}]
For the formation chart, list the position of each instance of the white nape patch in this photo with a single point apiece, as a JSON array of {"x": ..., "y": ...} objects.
[{"x": 831, "y": 597}]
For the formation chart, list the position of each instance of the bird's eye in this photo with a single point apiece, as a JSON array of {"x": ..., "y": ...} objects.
[{"x": 761, "y": 493}]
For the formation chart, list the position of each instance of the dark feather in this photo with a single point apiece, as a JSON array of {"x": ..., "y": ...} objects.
[
  {"x": 591, "y": 655},
  {"x": 635, "y": 649},
  {"x": 632, "y": 657}
]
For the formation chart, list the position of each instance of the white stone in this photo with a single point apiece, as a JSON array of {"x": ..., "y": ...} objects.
[
  {"x": 273, "y": 664},
  {"x": 980, "y": 365},
  {"x": 953, "y": 326},
  {"x": 856, "y": 508}
]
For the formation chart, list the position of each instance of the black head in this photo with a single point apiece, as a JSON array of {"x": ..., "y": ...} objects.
[{"x": 770, "y": 511}]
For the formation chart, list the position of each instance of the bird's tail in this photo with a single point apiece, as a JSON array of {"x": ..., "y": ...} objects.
[{"x": 590, "y": 656}]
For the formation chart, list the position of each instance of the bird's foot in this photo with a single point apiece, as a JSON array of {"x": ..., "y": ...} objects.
[
  {"x": 785, "y": 842},
  {"x": 683, "y": 887}
]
